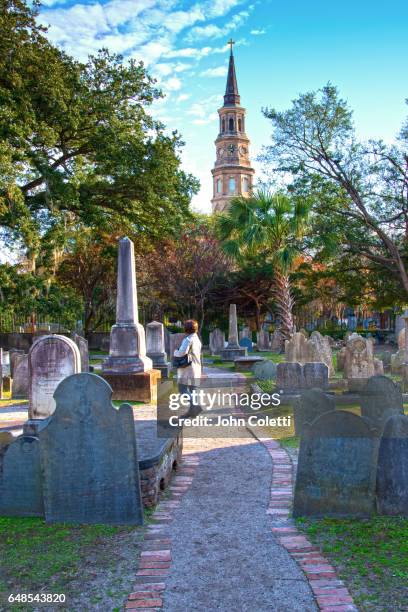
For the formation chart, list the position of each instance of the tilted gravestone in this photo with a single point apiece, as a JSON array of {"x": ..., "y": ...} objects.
[
  {"x": 20, "y": 375},
  {"x": 82, "y": 345},
  {"x": 217, "y": 341},
  {"x": 50, "y": 360},
  {"x": 380, "y": 399},
  {"x": 89, "y": 456},
  {"x": 392, "y": 470},
  {"x": 265, "y": 370},
  {"x": 20, "y": 479},
  {"x": 337, "y": 467},
  {"x": 309, "y": 406}
]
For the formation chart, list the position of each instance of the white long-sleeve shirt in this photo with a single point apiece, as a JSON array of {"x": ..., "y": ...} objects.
[{"x": 191, "y": 344}]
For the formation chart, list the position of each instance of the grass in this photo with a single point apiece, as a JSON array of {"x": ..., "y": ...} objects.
[
  {"x": 60, "y": 558},
  {"x": 371, "y": 556}
]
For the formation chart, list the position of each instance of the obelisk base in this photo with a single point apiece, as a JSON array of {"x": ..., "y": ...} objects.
[{"x": 134, "y": 387}]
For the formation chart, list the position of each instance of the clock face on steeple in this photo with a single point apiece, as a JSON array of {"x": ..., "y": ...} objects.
[{"x": 231, "y": 148}]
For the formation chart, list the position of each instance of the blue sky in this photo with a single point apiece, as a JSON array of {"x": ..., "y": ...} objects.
[{"x": 282, "y": 49}]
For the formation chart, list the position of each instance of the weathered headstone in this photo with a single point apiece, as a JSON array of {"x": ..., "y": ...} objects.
[
  {"x": 232, "y": 350},
  {"x": 217, "y": 341},
  {"x": 13, "y": 353},
  {"x": 337, "y": 467},
  {"x": 359, "y": 362},
  {"x": 20, "y": 479},
  {"x": 296, "y": 348},
  {"x": 289, "y": 376},
  {"x": 277, "y": 342},
  {"x": 89, "y": 457},
  {"x": 263, "y": 340},
  {"x": 392, "y": 470},
  {"x": 381, "y": 398},
  {"x": 265, "y": 370},
  {"x": 310, "y": 405},
  {"x": 82, "y": 345},
  {"x": 303, "y": 350},
  {"x": 50, "y": 360},
  {"x": 315, "y": 375},
  {"x": 155, "y": 347},
  {"x": 20, "y": 375}
]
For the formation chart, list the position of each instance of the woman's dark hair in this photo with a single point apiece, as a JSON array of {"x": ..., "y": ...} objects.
[{"x": 190, "y": 326}]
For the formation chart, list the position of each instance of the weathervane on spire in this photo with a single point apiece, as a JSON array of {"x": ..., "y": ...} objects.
[{"x": 230, "y": 43}]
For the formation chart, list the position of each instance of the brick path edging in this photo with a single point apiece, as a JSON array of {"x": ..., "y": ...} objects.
[
  {"x": 330, "y": 592},
  {"x": 155, "y": 556}
]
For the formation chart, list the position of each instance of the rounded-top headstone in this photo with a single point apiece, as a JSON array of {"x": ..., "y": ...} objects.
[{"x": 266, "y": 370}]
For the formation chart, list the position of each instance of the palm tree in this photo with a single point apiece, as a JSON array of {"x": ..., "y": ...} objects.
[{"x": 268, "y": 226}]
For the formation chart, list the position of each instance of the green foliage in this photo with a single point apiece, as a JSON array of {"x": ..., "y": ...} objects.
[{"x": 77, "y": 143}]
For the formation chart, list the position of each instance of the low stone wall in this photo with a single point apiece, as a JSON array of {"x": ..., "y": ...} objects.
[{"x": 156, "y": 472}]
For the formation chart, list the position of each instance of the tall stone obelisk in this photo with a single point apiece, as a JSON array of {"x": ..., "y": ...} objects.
[
  {"x": 128, "y": 369},
  {"x": 233, "y": 350}
]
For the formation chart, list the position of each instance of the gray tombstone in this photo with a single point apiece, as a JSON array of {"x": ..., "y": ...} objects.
[
  {"x": 216, "y": 341},
  {"x": 20, "y": 375},
  {"x": 50, "y": 360},
  {"x": 82, "y": 345},
  {"x": 13, "y": 353},
  {"x": 155, "y": 347},
  {"x": 265, "y": 370},
  {"x": 263, "y": 340},
  {"x": 380, "y": 399},
  {"x": 392, "y": 470},
  {"x": 20, "y": 479},
  {"x": 337, "y": 467},
  {"x": 315, "y": 375},
  {"x": 89, "y": 456},
  {"x": 311, "y": 404},
  {"x": 289, "y": 376},
  {"x": 277, "y": 342}
]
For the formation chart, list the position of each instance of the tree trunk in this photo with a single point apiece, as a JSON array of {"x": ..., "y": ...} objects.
[{"x": 284, "y": 302}]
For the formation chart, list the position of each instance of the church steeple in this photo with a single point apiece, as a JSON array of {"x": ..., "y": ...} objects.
[
  {"x": 232, "y": 172},
  {"x": 231, "y": 97}
]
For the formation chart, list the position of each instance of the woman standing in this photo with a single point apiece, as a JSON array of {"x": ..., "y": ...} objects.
[{"x": 188, "y": 377}]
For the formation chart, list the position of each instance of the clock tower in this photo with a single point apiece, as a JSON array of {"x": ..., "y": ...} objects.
[{"x": 232, "y": 172}]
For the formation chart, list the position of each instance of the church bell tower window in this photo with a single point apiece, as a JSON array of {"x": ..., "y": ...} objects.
[
  {"x": 219, "y": 184},
  {"x": 231, "y": 184},
  {"x": 231, "y": 124}
]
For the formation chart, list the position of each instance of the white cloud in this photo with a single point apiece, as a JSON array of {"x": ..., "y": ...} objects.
[
  {"x": 214, "y": 31},
  {"x": 172, "y": 84},
  {"x": 258, "y": 32},
  {"x": 220, "y": 71},
  {"x": 183, "y": 97},
  {"x": 211, "y": 118}
]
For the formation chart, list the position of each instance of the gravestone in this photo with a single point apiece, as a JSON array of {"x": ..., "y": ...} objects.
[
  {"x": 50, "y": 360},
  {"x": 13, "y": 353},
  {"x": 289, "y": 376},
  {"x": 128, "y": 369},
  {"x": 246, "y": 343},
  {"x": 232, "y": 350},
  {"x": 359, "y": 362},
  {"x": 82, "y": 345},
  {"x": 277, "y": 342},
  {"x": 392, "y": 470},
  {"x": 337, "y": 467},
  {"x": 315, "y": 375},
  {"x": 266, "y": 370},
  {"x": 20, "y": 479},
  {"x": 155, "y": 347},
  {"x": 20, "y": 375},
  {"x": 381, "y": 398},
  {"x": 89, "y": 457},
  {"x": 296, "y": 348},
  {"x": 318, "y": 348},
  {"x": 217, "y": 341},
  {"x": 310, "y": 405},
  {"x": 263, "y": 340}
]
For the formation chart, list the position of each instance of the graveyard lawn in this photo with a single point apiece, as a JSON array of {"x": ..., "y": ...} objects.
[
  {"x": 371, "y": 556},
  {"x": 93, "y": 565}
]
